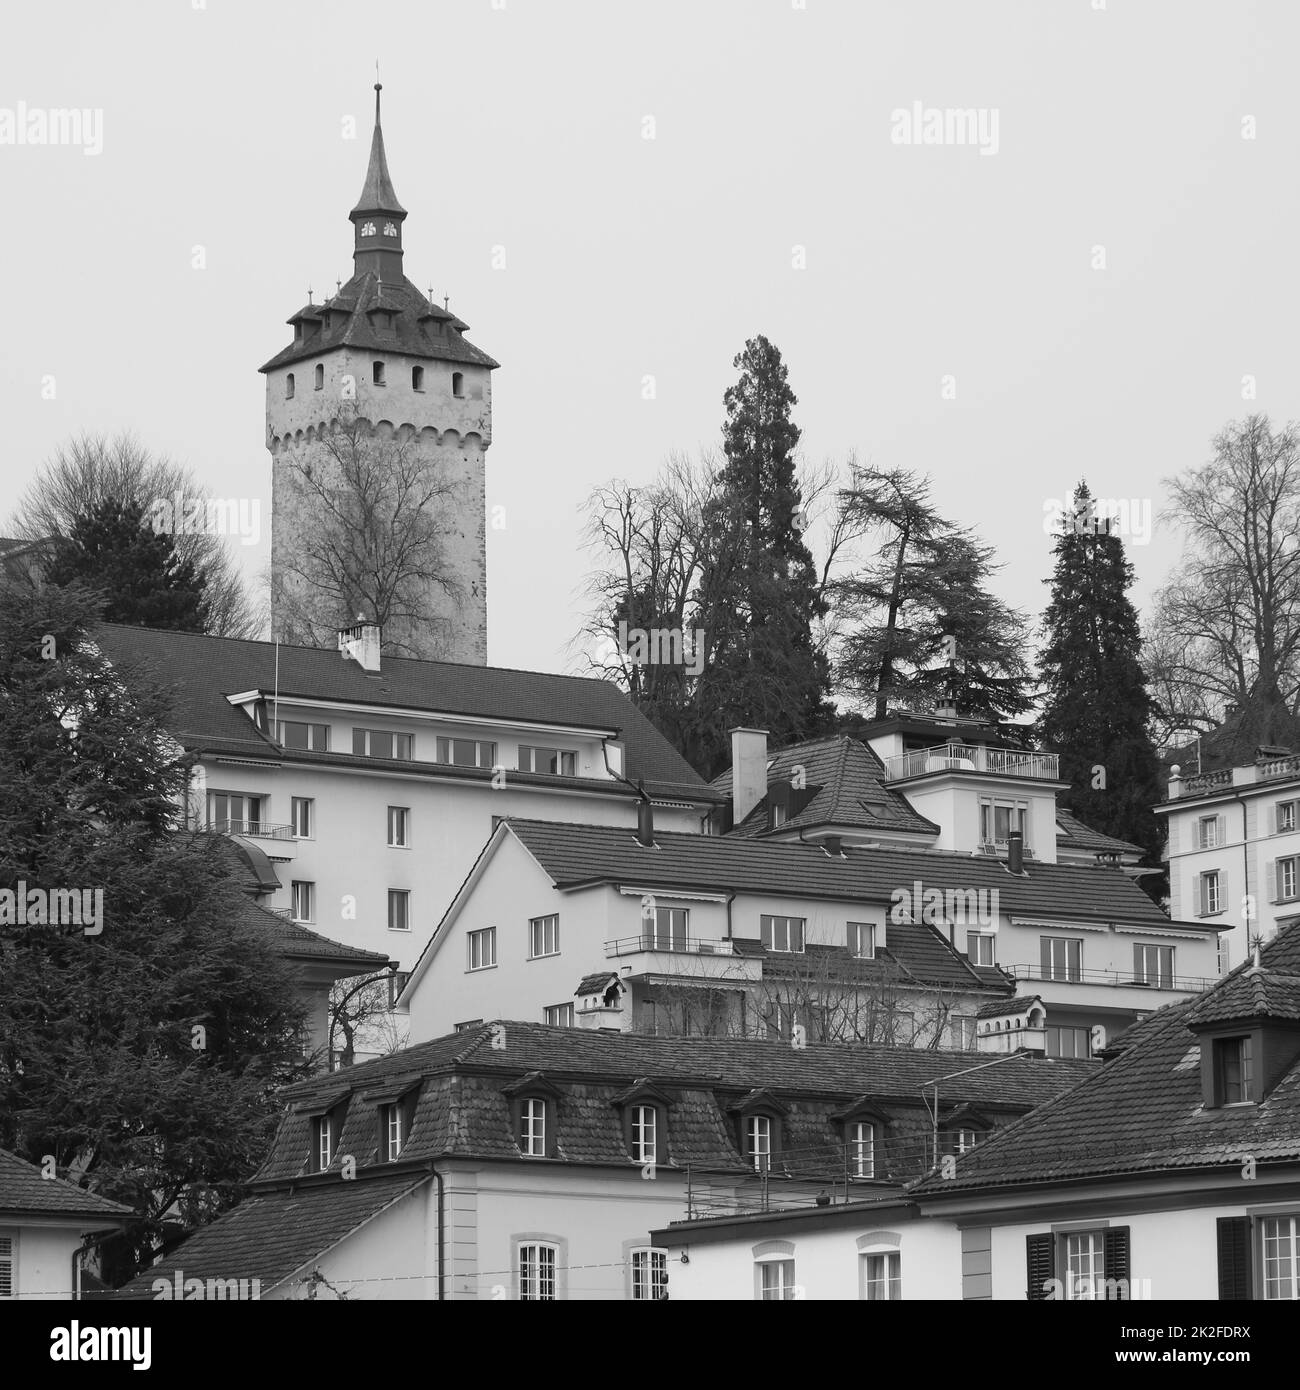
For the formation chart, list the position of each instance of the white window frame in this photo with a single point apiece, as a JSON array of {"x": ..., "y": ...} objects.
[
  {"x": 481, "y": 949},
  {"x": 1062, "y": 973},
  {"x": 1209, "y": 832},
  {"x": 324, "y": 1142},
  {"x": 788, "y": 928},
  {"x": 1211, "y": 893},
  {"x": 394, "y": 1132},
  {"x": 645, "y": 1134},
  {"x": 1058, "y": 1030},
  {"x": 248, "y": 824},
  {"x": 1159, "y": 977},
  {"x": 532, "y": 1127},
  {"x": 862, "y": 1149},
  {"x": 538, "y": 1270},
  {"x": 445, "y": 748},
  {"x": 399, "y": 827},
  {"x": 302, "y": 894},
  {"x": 758, "y": 1142},
  {"x": 558, "y": 1015},
  {"x": 882, "y": 1276},
  {"x": 649, "y": 1269},
  {"x": 544, "y": 936},
  {"x": 402, "y": 895},
  {"x": 566, "y": 760},
  {"x": 394, "y": 734},
  {"x": 1283, "y": 1282},
  {"x": 314, "y": 731},
  {"x": 1288, "y": 878},
  {"x": 1083, "y": 1262},
  {"x": 1286, "y": 811},
  {"x": 302, "y": 816},
  {"x": 664, "y": 935},
  {"x": 857, "y": 929},
  {"x": 774, "y": 1282},
  {"x": 975, "y": 947}
]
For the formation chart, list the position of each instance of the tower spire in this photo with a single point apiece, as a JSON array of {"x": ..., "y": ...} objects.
[{"x": 378, "y": 216}]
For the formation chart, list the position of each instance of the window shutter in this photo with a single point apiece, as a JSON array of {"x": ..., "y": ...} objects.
[
  {"x": 1137, "y": 961},
  {"x": 1115, "y": 1262},
  {"x": 6, "y": 1267},
  {"x": 1045, "y": 950},
  {"x": 1234, "y": 1257},
  {"x": 1040, "y": 1260}
]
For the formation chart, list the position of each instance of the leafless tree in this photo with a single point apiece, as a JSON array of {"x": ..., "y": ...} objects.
[
  {"x": 92, "y": 469},
  {"x": 380, "y": 512},
  {"x": 1226, "y": 630},
  {"x": 360, "y": 1019}
]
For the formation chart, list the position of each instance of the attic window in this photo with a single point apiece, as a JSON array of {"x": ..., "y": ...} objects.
[
  {"x": 458, "y": 384},
  {"x": 417, "y": 378},
  {"x": 1234, "y": 1071},
  {"x": 378, "y": 374}
]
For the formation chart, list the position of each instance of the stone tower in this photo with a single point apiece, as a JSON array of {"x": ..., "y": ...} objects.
[{"x": 380, "y": 394}]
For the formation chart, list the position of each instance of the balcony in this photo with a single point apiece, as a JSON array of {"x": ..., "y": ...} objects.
[
  {"x": 1206, "y": 783},
  {"x": 1115, "y": 979},
  {"x": 961, "y": 757},
  {"x": 662, "y": 953},
  {"x": 275, "y": 841}
]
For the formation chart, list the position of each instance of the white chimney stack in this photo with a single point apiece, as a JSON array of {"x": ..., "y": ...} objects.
[
  {"x": 748, "y": 771},
  {"x": 361, "y": 643}
]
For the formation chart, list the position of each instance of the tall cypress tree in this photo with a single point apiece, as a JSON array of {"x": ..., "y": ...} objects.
[
  {"x": 1097, "y": 708},
  {"x": 758, "y": 595},
  {"x": 144, "y": 583}
]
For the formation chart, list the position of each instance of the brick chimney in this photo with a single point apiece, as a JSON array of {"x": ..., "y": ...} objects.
[{"x": 748, "y": 771}]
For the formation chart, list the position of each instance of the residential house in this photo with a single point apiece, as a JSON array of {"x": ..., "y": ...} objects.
[
  {"x": 1172, "y": 1172},
  {"x": 1077, "y": 931},
  {"x": 1234, "y": 848},
  {"x": 47, "y": 1225},
  {"x": 368, "y": 784},
  {"x": 518, "y": 1161}
]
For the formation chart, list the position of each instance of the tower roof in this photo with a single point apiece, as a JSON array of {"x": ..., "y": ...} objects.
[{"x": 378, "y": 194}]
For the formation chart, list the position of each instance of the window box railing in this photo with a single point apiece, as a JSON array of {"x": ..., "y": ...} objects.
[
  {"x": 962, "y": 757},
  {"x": 673, "y": 945},
  {"x": 1187, "y": 984},
  {"x": 259, "y": 828}
]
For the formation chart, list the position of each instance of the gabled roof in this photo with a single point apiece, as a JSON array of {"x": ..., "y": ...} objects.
[
  {"x": 202, "y": 671},
  {"x": 1143, "y": 1111},
  {"x": 271, "y": 1237},
  {"x": 851, "y": 791},
  {"x": 25, "y": 1191},
  {"x": 582, "y": 854},
  {"x": 420, "y": 329},
  {"x": 1250, "y": 992}
]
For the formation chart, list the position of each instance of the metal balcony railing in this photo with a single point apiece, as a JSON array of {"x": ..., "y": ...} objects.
[
  {"x": 963, "y": 757},
  {"x": 1187, "y": 984},
  {"x": 252, "y": 827},
  {"x": 669, "y": 942}
]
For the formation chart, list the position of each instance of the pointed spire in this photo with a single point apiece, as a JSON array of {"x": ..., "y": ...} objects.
[{"x": 378, "y": 194}]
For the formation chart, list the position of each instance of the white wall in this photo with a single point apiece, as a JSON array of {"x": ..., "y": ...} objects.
[{"x": 43, "y": 1250}]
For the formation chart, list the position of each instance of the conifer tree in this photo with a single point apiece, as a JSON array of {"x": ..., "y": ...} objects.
[
  {"x": 1097, "y": 709},
  {"x": 758, "y": 595},
  {"x": 144, "y": 583}
]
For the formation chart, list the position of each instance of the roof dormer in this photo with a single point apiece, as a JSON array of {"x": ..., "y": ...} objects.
[{"x": 1249, "y": 1031}]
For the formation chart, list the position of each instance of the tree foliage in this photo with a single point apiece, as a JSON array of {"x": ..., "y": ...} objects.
[
  {"x": 90, "y": 472},
  {"x": 143, "y": 1059},
  {"x": 144, "y": 583},
  {"x": 1096, "y": 706}
]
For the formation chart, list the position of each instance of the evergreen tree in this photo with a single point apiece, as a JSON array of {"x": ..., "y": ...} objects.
[
  {"x": 758, "y": 595},
  {"x": 143, "y": 1057},
  {"x": 1097, "y": 709},
  {"x": 926, "y": 628},
  {"x": 144, "y": 583}
]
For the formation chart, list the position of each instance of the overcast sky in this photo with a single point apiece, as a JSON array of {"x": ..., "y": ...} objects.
[{"x": 521, "y": 124}]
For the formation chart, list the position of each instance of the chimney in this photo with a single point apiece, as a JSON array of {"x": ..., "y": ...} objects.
[
  {"x": 832, "y": 844},
  {"x": 748, "y": 771},
  {"x": 645, "y": 823},
  {"x": 1016, "y": 852},
  {"x": 361, "y": 643}
]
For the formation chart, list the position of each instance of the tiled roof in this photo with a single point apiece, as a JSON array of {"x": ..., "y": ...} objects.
[
  {"x": 595, "y": 984},
  {"x": 1143, "y": 1111},
  {"x": 1002, "y": 1007},
  {"x": 296, "y": 942},
  {"x": 269, "y": 1237},
  {"x": 202, "y": 671},
  {"x": 377, "y": 193},
  {"x": 1250, "y": 993},
  {"x": 24, "y": 1190},
  {"x": 1075, "y": 835},
  {"x": 575, "y": 854},
  {"x": 851, "y": 791},
  {"x": 419, "y": 328}
]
